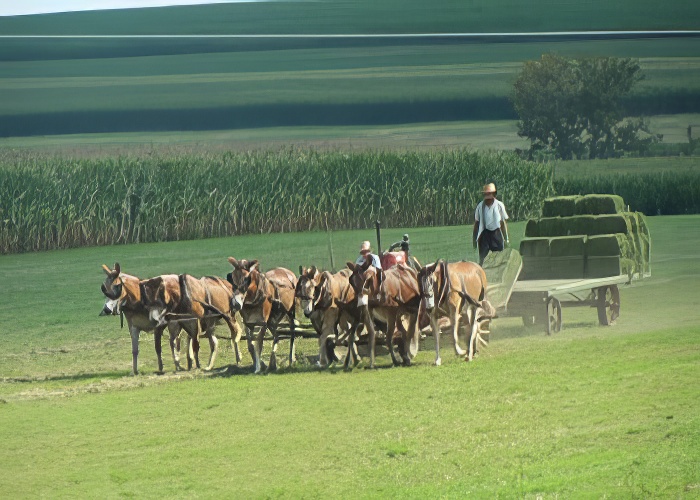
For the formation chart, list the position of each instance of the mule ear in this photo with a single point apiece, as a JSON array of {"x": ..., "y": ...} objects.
[
  {"x": 313, "y": 271},
  {"x": 117, "y": 268},
  {"x": 252, "y": 265},
  {"x": 233, "y": 262},
  {"x": 365, "y": 265},
  {"x": 107, "y": 270},
  {"x": 350, "y": 265},
  {"x": 418, "y": 266},
  {"x": 301, "y": 270}
]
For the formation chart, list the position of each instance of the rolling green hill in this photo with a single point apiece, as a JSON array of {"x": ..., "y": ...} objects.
[
  {"x": 72, "y": 86},
  {"x": 369, "y": 16}
]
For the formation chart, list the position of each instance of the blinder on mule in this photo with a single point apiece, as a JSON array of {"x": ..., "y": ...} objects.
[{"x": 115, "y": 291}]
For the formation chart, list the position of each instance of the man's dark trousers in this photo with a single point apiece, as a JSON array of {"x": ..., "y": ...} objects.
[{"x": 489, "y": 241}]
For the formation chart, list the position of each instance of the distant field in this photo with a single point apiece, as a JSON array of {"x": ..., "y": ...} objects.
[
  {"x": 381, "y": 82},
  {"x": 588, "y": 412},
  {"x": 483, "y": 135},
  {"x": 368, "y": 16}
]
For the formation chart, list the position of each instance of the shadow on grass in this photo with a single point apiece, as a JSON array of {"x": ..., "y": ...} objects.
[{"x": 66, "y": 377}]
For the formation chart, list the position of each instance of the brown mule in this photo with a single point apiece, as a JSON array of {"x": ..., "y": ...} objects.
[
  {"x": 388, "y": 296},
  {"x": 263, "y": 300},
  {"x": 196, "y": 305},
  {"x": 124, "y": 297},
  {"x": 328, "y": 301},
  {"x": 456, "y": 290}
]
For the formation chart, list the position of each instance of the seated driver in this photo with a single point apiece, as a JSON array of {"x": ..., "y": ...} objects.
[{"x": 366, "y": 253}]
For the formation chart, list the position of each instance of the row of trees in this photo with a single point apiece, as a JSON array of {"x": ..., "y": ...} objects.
[{"x": 572, "y": 108}]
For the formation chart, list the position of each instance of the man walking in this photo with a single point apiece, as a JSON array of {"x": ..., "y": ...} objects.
[{"x": 490, "y": 230}]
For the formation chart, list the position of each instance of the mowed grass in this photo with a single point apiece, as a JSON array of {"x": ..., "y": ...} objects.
[{"x": 588, "y": 412}]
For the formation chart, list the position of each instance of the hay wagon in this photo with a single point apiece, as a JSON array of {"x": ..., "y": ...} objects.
[{"x": 577, "y": 255}]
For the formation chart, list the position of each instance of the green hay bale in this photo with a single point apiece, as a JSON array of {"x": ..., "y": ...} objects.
[
  {"x": 607, "y": 245},
  {"x": 598, "y": 204},
  {"x": 559, "y": 206},
  {"x": 643, "y": 227},
  {"x": 532, "y": 228},
  {"x": 582, "y": 225},
  {"x": 553, "y": 226},
  {"x": 566, "y": 246},
  {"x": 546, "y": 268},
  {"x": 567, "y": 267},
  {"x": 628, "y": 267},
  {"x": 602, "y": 267},
  {"x": 534, "y": 247},
  {"x": 502, "y": 271}
]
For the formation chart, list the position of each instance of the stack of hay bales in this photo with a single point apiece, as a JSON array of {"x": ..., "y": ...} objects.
[{"x": 588, "y": 236}]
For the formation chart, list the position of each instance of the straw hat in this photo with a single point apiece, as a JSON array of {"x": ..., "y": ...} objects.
[
  {"x": 365, "y": 247},
  {"x": 489, "y": 188}
]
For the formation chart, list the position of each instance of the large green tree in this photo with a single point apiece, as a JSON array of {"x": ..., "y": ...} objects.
[{"x": 572, "y": 108}]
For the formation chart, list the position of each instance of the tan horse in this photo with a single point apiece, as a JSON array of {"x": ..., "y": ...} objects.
[
  {"x": 388, "y": 296},
  {"x": 124, "y": 297},
  {"x": 263, "y": 300},
  {"x": 455, "y": 290},
  {"x": 329, "y": 302},
  {"x": 196, "y": 306}
]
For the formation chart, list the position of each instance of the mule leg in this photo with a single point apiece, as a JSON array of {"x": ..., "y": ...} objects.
[
  {"x": 134, "y": 332},
  {"x": 259, "y": 348},
  {"x": 235, "y": 339},
  {"x": 190, "y": 354},
  {"x": 249, "y": 340},
  {"x": 272, "y": 367},
  {"x": 327, "y": 328},
  {"x": 195, "y": 350},
  {"x": 351, "y": 348},
  {"x": 390, "y": 328},
  {"x": 369, "y": 324},
  {"x": 292, "y": 338},
  {"x": 412, "y": 335},
  {"x": 436, "y": 335},
  {"x": 455, "y": 315},
  {"x": 157, "y": 339},
  {"x": 472, "y": 333},
  {"x": 174, "y": 332},
  {"x": 213, "y": 344}
]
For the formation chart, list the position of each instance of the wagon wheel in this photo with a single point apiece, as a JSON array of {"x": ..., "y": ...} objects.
[
  {"x": 608, "y": 304},
  {"x": 553, "y": 324}
]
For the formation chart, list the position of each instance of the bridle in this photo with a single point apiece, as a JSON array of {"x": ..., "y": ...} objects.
[{"x": 119, "y": 287}]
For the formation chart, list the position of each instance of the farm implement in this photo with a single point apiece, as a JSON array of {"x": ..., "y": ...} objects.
[{"x": 578, "y": 255}]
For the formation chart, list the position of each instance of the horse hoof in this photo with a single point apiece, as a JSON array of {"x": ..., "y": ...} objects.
[{"x": 438, "y": 362}]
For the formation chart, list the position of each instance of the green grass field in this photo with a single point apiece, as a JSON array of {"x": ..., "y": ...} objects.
[
  {"x": 366, "y": 16},
  {"x": 74, "y": 86},
  {"x": 588, "y": 412}
]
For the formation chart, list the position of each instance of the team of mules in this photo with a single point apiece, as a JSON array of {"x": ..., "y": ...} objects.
[{"x": 395, "y": 300}]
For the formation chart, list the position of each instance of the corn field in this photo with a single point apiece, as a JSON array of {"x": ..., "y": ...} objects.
[
  {"x": 661, "y": 193},
  {"x": 49, "y": 202}
]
